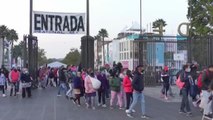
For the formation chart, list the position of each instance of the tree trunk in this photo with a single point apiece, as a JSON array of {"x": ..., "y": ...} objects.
[
  {"x": 97, "y": 53},
  {"x": 11, "y": 61},
  {"x": 1, "y": 51},
  {"x": 103, "y": 53}
]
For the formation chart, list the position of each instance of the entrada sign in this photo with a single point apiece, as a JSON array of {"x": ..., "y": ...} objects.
[{"x": 59, "y": 23}]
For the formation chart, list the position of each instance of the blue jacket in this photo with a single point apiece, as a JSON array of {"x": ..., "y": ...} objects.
[
  {"x": 104, "y": 82},
  {"x": 77, "y": 83}
]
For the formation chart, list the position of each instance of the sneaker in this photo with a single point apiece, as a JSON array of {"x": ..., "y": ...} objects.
[
  {"x": 93, "y": 108},
  {"x": 73, "y": 101},
  {"x": 104, "y": 106},
  {"x": 3, "y": 95},
  {"x": 79, "y": 105},
  {"x": 133, "y": 111},
  {"x": 128, "y": 111},
  {"x": 129, "y": 115},
  {"x": 58, "y": 95},
  {"x": 87, "y": 105},
  {"x": 182, "y": 112},
  {"x": 145, "y": 117},
  {"x": 194, "y": 104},
  {"x": 99, "y": 104},
  {"x": 121, "y": 108},
  {"x": 166, "y": 98},
  {"x": 189, "y": 114},
  {"x": 209, "y": 116}
]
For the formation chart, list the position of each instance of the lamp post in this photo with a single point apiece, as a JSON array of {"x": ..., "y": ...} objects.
[{"x": 140, "y": 17}]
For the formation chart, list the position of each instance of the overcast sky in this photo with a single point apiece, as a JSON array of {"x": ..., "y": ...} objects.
[{"x": 113, "y": 15}]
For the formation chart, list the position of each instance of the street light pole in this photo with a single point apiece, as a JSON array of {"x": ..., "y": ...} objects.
[{"x": 140, "y": 16}]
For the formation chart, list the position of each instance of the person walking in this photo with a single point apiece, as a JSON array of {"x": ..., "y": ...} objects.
[
  {"x": 115, "y": 85},
  {"x": 14, "y": 77},
  {"x": 26, "y": 83},
  {"x": 206, "y": 102},
  {"x": 62, "y": 81},
  {"x": 138, "y": 87},
  {"x": 103, "y": 89},
  {"x": 2, "y": 82},
  {"x": 165, "y": 78},
  {"x": 77, "y": 84},
  {"x": 90, "y": 92},
  {"x": 185, "y": 77},
  {"x": 127, "y": 85}
]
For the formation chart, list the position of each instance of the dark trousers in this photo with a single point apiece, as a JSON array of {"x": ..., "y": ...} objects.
[
  {"x": 185, "y": 100},
  {"x": 102, "y": 96},
  {"x": 2, "y": 88},
  {"x": 26, "y": 91},
  {"x": 14, "y": 87},
  {"x": 77, "y": 98},
  {"x": 165, "y": 88},
  {"x": 129, "y": 99}
]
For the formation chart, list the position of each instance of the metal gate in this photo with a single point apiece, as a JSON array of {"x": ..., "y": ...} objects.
[{"x": 155, "y": 52}]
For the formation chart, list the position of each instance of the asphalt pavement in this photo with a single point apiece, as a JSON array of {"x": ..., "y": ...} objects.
[{"x": 45, "y": 105}]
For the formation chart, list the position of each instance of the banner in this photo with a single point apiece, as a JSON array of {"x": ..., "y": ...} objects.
[{"x": 58, "y": 23}]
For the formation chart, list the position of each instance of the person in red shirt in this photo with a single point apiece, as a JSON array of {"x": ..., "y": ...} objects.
[
  {"x": 127, "y": 85},
  {"x": 14, "y": 79}
]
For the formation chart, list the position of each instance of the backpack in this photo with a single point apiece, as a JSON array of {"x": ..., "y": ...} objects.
[{"x": 199, "y": 79}]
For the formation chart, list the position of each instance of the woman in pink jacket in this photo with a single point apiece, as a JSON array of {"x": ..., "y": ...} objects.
[
  {"x": 89, "y": 91},
  {"x": 127, "y": 85}
]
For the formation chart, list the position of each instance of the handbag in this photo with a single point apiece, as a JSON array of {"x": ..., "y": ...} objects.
[
  {"x": 179, "y": 83},
  {"x": 96, "y": 84},
  {"x": 26, "y": 85}
]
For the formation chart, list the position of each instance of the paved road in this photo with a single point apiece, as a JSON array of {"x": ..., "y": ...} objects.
[{"x": 45, "y": 105}]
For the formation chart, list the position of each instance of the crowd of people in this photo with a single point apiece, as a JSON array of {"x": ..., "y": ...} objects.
[{"x": 123, "y": 87}]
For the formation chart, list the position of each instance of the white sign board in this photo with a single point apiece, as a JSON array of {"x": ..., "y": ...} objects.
[
  {"x": 179, "y": 57},
  {"x": 58, "y": 23}
]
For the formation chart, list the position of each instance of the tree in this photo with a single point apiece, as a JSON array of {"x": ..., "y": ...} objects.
[
  {"x": 12, "y": 37},
  {"x": 200, "y": 14},
  {"x": 3, "y": 34},
  {"x": 103, "y": 33},
  {"x": 73, "y": 57},
  {"x": 98, "y": 39},
  {"x": 158, "y": 23},
  {"x": 18, "y": 51},
  {"x": 42, "y": 59}
]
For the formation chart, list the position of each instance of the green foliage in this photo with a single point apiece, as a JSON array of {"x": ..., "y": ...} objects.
[
  {"x": 158, "y": 23},
  {"x": 200, "y": 13},
  {"x": 73, "y": 57},
  {"x": 18, "y": 51},
  {"x": 103, "y": 33},
  {"x": 42, "y": 59},
  {"x": 3, "y": 31}
]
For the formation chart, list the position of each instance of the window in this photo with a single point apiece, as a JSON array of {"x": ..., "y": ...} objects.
[
  {"x": 131, "y": 55},
  {"x": 127, "y": 55}
]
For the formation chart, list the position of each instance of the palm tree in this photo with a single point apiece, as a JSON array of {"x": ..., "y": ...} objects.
[
  {"x": 158, "y": 23},
  {"x": 103, "y": 33},
  {"x": 12, "y": 37},
  {"x": 98, "y": 39},
  {"x": 3, "y": 34}
]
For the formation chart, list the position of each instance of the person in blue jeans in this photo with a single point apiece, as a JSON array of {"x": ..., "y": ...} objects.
[
  {"x": 138, "y": 87},
  {"x": 62, "y": 81}
]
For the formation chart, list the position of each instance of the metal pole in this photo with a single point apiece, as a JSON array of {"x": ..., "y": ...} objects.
[
  {"x": 140, "y": 16},
  {"x": 87, "y": 18},
  {"x": 87, "y": 33},
  {"x": 31, "y": 15}
]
